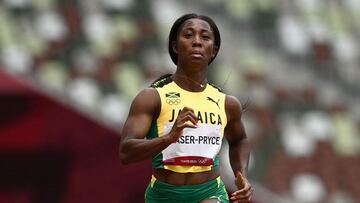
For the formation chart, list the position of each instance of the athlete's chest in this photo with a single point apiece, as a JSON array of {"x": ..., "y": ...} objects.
[{"x": 208, "y": 108}]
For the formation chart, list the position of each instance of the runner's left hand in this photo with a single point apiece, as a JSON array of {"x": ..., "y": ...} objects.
[{"x": 243, "y": 195}]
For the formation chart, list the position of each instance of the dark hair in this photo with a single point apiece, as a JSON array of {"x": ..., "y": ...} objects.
[{"x": 177, "y": 25}]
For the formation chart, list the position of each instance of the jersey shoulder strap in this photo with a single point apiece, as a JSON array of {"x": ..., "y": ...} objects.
[
  {"x": 216, "y": 87},
  {"x": 161, "y": 81}
]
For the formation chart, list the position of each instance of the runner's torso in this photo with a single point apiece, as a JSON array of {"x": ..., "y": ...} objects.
[{"x": 193, "y": 159}]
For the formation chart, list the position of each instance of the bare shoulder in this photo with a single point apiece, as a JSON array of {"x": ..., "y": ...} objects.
[
  {"x": 147, "y": 100},
  {"x": 148, "y": 93},
  {"x": 233, "y": 107}
]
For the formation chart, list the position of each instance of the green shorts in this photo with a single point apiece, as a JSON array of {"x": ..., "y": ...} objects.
[{"x": 158, "y": 192}]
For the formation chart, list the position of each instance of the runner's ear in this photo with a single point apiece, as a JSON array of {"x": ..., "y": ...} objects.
[
  {"x": 215, "y": 50},
  {"x": 174, "y": 46}
]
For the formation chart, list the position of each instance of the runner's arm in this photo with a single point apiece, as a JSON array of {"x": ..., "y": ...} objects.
[
  {"x": 238, "y": 150},
  {"x": 134, "y": 146},
  {"x": 236, "y": 136},
  {"x": 144, "y": 109}
]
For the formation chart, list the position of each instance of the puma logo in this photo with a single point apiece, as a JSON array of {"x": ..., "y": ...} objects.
[{"x": 212, "y": 100}]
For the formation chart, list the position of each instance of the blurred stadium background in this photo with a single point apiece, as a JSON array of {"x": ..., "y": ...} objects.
[{"x": 70, "y": 68}]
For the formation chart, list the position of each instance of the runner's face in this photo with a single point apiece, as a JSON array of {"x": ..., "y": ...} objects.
[{"x": 195, "y": 42}]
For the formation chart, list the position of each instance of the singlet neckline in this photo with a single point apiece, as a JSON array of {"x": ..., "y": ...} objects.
[{"x": 204, "y": 90}]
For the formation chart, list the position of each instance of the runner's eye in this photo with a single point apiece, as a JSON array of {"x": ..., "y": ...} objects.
[
  {"x": 187, "y": 35},
  {"x": 206, "y": 37}
]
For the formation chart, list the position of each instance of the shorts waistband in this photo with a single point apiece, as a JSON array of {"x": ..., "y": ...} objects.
[
  {"x": 167, "y": 185},
  {"x": 159, "y": 191}
]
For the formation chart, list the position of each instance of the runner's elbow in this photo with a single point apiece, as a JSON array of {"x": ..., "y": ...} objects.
[
  {"x": 124, "y": 157},
  {"x": 125, "y": 160}
]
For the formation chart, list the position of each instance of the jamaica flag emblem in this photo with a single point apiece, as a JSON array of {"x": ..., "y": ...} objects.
[
  {"x": 173, "y": 98},
  {"x": 172, "y": 94}
]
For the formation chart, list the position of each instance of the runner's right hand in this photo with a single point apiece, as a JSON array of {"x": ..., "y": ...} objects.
[{"x": 185, "y": 119}]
